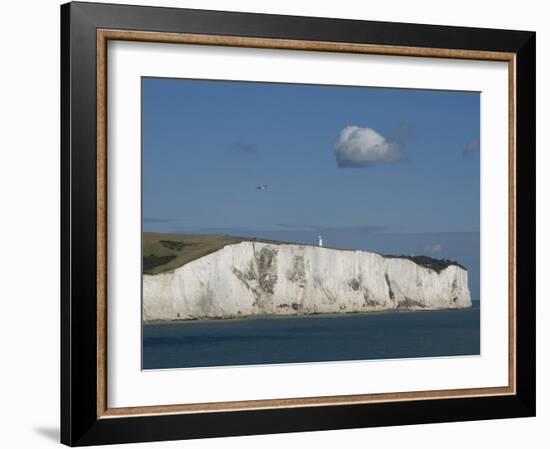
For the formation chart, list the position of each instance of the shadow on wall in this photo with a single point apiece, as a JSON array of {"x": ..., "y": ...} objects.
[{"x": 49, "y": 433}]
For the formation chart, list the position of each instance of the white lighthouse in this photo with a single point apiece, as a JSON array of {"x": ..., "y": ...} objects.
[{"x": 320, "y": 241}]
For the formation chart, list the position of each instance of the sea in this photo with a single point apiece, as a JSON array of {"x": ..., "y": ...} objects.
[{"x": 313, "y": 338}]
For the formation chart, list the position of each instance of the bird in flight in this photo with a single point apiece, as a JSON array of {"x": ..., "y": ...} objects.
[{"x": 262, "y": 187}]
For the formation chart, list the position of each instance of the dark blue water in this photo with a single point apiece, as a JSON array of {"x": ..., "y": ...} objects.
[{"x": 253, "y": 341}]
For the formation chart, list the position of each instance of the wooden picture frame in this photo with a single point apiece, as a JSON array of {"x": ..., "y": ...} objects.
[{"x": 85, "y": 418}]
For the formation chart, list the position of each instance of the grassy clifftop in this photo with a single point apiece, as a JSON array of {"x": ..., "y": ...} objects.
[
  {"x": 428, "y": 262},
  {"x": 164, "y": 252}
]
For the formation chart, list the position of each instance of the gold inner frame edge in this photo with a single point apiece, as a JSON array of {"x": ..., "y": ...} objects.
[{"x": 104, "y": 35}]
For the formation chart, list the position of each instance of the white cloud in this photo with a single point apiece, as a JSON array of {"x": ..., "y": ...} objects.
[
  {"x": 433, "y": 248},
  {"x": 360, "y": 147}
]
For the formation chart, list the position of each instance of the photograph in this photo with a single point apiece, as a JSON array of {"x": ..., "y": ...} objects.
[{"x": 299, "y": 223}]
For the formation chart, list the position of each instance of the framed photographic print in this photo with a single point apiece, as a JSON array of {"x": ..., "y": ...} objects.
[{"x": 277, "y": 224}]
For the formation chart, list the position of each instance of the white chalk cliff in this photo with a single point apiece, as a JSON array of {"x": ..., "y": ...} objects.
[{"x": 252, "y": 278}]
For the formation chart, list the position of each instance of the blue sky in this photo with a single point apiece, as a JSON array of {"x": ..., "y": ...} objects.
[{"x": 390, "y": 170}]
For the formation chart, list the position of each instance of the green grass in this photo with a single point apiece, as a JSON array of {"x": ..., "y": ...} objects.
[
  {"x": 428, "y": 262},
  {"x": 164, "y": 252}
]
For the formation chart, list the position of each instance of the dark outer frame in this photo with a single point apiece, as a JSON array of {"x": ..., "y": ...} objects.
[{"x": 81, "y": 423}]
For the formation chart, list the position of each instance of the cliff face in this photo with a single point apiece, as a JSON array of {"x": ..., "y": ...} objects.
[{"x": 252, "y": 278}]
